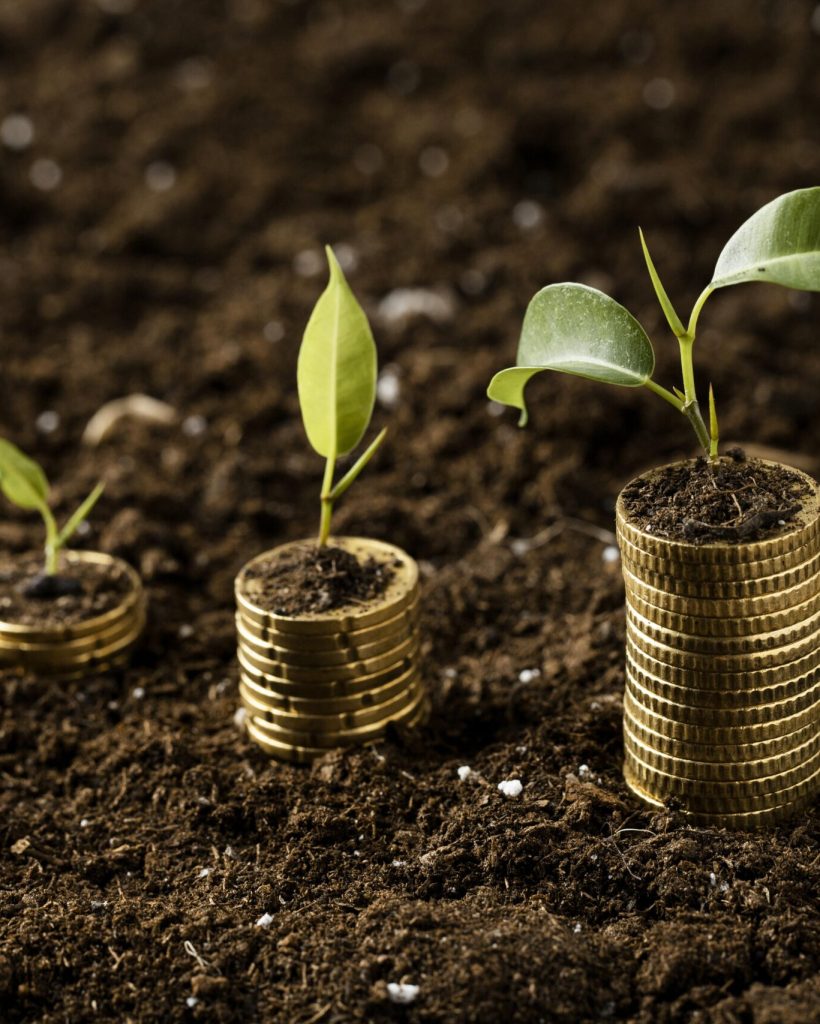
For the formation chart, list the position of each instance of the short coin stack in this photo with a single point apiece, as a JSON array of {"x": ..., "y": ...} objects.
[
  {"x": 79, "y": 649},
  {"x": 722, "y": 702},
  {"x": 314, "y": 682}
]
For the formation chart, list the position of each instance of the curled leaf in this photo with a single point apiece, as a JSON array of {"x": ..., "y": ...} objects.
[
  {"x": 575, "y": 329},
  {"x": 780, "y": 243}
]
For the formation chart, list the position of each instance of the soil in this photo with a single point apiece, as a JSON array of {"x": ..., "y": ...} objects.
[
  {"x": 87, "y": 591},
  {"x": 310, "y": 579},
  {"x": 206, "y": 151},
  {"x": 733, "y": 500}
]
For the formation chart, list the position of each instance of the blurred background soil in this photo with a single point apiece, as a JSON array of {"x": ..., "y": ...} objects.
[{"x": 169, "y": 172}]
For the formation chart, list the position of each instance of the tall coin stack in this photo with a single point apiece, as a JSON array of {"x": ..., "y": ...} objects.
[
  {"x": 314, "y": 682},
  {"x": 722, "y": 702},
  {"x": 82, "y": 648}
]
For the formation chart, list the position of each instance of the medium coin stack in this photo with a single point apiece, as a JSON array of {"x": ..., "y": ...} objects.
[
  {"x": 82, "y": 648},
  {"x": 722, "y": 702},
  {"x": 314, "y": 682}
]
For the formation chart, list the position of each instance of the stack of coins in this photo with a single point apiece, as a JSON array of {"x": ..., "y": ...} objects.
[
  {"x": 80, "y": 649},
  {"x": 722, "y": 702},
  {"x": 314, "y": 682}
]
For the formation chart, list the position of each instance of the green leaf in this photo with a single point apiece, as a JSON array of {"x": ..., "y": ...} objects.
[
  {"x": 780, "y": 243},
  {"x": 336, "y": 372},
  {"x": 21, "y": 479},
  {"x": 82, "y": 513},
  {"x": 672, "y": 317},
  {"x": 579, "y": 330}
]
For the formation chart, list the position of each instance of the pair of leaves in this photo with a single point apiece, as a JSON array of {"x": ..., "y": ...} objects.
[
  {"x": 25, "y": 484},
  {"x": 336, "y": 375},
  {"x": 574, "y": 329}
]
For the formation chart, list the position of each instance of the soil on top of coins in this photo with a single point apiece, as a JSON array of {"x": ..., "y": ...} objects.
[
  {"x": 169, "y": 175},
  {"x": 81, "y": 592},
  {"x": 735, "y": 500},
  {"x": 308, "y": 579}
]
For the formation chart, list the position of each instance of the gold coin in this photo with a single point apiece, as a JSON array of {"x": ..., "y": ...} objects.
[
  {"x": 344, "y": 687},
  {"x": 726, "y": 752},
  {"x": 305, "y": 755},
  {"x": 713, "y": 797},
  {"x": 708, "y": 731},
  {"x": 341, "y": 737},
  {"x": 665, "y": 564},
  {"x": 744, "y": 627},
  {"x": 723, "y": 646},
  {"x": 406, "y": 621},
  {"x": 721, "y": 717},
  {"x": 68, "y": 649},
  {"x": 717, "y": 679},
  {"x": 741, "y": 820},
  {"x": 726, "y": 589},
  {"x": 742, "y": 565},
  {"x": 400, "y": 592},
  {"x": 728, "y": 697},
  {"x": 802, "y": 528},
  {"x": 717, "y": 607},
  {"x": 272, "y": 700},
  {"x": 10, "y": 631},
  {"x": 721, "y": 771},
  {"x": 352, "y": 669},
  {"x": 695, "y": 804},
  {"x": 299, "y": 722},
  {"x": 671, "y": 655},
  {"x": 81, "y": 665},
  {"x": 319, "y": 659}
]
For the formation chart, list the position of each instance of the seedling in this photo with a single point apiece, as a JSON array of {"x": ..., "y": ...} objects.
[
  {"x": 336, "y": 378},
  {"x": 579, "y": 330},
  {"x": 25, "y": 484}
]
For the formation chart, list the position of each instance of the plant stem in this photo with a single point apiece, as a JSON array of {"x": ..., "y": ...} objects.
[
  {"x": 691, "y": 408},
  {"x": 692, "y": 412},
  {"x": 665, "y": 394},
  {"x": 52, "y": 541},
  {"x": 327, "y": 501},
  {"x": 693, "y": 319}
]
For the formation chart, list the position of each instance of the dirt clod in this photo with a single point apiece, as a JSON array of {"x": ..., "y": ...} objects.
[
  {"x": 734, "y": 499},
  {"x": 313, "y": 579}
]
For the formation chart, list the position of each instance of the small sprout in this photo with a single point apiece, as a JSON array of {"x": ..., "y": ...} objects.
[
  {"x": 575, "y": 329},
  {"x": 714, "y": 435},
  {"x": 336, "y": 377},
  {"x": 464, "y": 772},
  {"x": 25, "y": 484}
]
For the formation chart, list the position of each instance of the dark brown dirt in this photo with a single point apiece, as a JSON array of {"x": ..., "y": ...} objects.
[
  {"x": 311, "y": 579},
  {"x": 734, "y": 500},
  {"x": 100, "y": 588},
  {"x": 142, "y": 837}
]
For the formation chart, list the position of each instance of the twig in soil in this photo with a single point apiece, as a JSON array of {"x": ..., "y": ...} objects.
[
  {"x": 188, "y": 946},
  {"x": 766, "y": 517},
  {"x": 319, "y": 1014},
  {"x": 521, "y": 545}
]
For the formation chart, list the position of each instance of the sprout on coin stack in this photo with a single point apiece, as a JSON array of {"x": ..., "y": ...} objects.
[
  {"x": 327, "y": 630},
  {"x": 721, "y": 555},
  {"x": 75, "y": 612}
]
